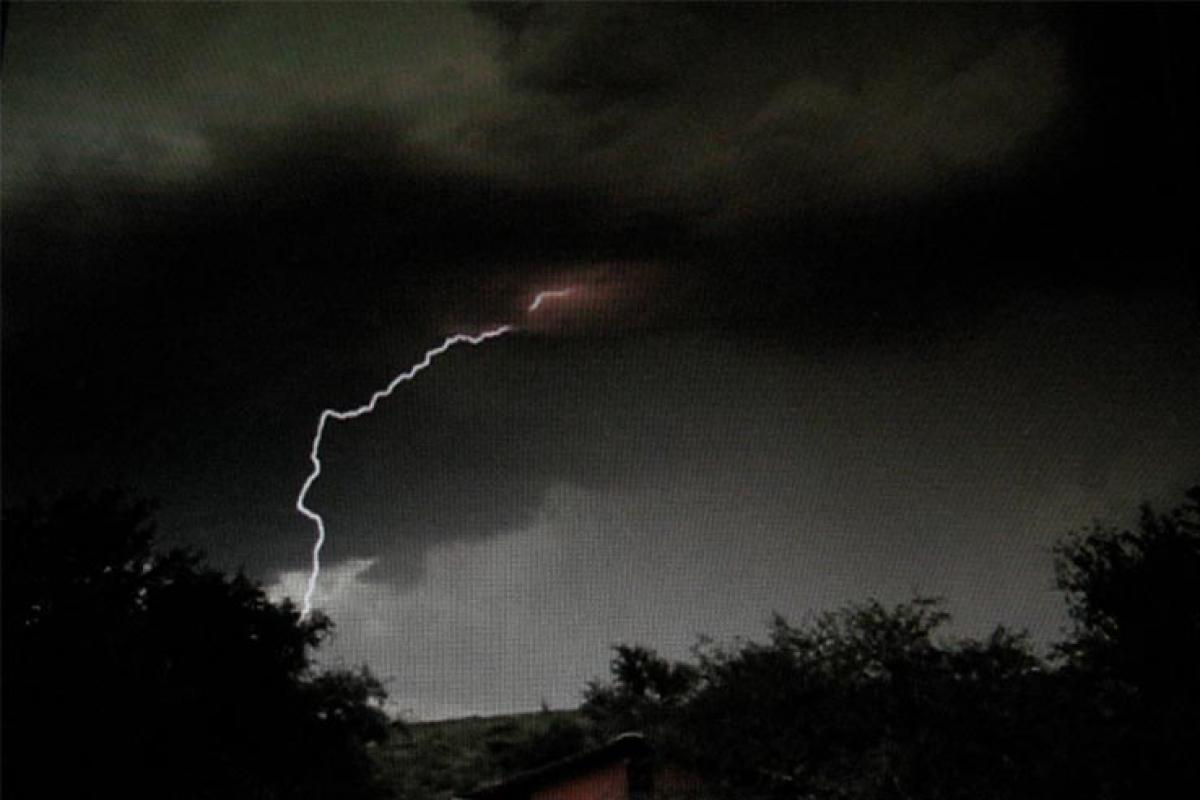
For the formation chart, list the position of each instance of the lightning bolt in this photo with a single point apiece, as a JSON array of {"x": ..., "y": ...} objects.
[
  {"x": 537, "y": 301},
  {"x": 314, "y": 455}
]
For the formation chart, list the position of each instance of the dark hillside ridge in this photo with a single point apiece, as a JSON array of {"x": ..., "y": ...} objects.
[{"x": 447, "y": 758}]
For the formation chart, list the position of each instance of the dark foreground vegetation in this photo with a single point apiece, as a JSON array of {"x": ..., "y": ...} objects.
[
  {"x": 137, "y": 674},
  {"x": 143, "y": 674}
]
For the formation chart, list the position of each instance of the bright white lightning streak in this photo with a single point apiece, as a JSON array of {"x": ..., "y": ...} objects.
[
  {"x": 367, "y": 408},
  {"x": 341, "y": 416},
  {"x": 537, "y": 301}
]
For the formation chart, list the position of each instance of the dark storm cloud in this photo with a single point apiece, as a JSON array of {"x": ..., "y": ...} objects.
[
  {"x": 221, "y": 219},
  {"x": 793, "y": 135},
  {"x": 601, "y": 55},
  {"x": 726, "y": 115},
  {"x": 736, "y": 116}
]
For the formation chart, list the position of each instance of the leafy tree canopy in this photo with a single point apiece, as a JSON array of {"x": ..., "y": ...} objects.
[
  {"x": 1134, "y": 652},
  {"x": 151, "y": 674},
  {"x": 862, "y": 702},
  {"x": 1134, "y": 596}
]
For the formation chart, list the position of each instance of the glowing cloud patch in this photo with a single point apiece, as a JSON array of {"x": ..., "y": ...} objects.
[{"x": 542, "y": 296}]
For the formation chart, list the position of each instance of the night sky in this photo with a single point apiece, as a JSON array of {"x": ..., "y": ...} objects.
[{"x": 868, "y": 301}]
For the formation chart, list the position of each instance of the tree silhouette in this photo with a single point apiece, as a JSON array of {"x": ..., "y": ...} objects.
[
  {"x": 1134, "y": 598},
  {"x": 862, "y": 702},
  {"x": 646, "y": 694},
  {"x": 148, "y": 674},
  {"x": 867, "y": 702}
]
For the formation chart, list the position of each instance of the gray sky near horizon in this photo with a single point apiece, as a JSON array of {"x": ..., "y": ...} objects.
[{"x": 869, "y": 301}]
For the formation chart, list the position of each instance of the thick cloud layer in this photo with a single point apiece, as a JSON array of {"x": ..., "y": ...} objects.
[
  {"x": 737, "y": 117},
  {"x": 727, "y": 116}
]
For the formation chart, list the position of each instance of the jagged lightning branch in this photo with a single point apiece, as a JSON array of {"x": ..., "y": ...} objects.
[
  {"x": 341, "y": 416},
  {"x": 537, "y": 301}
]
